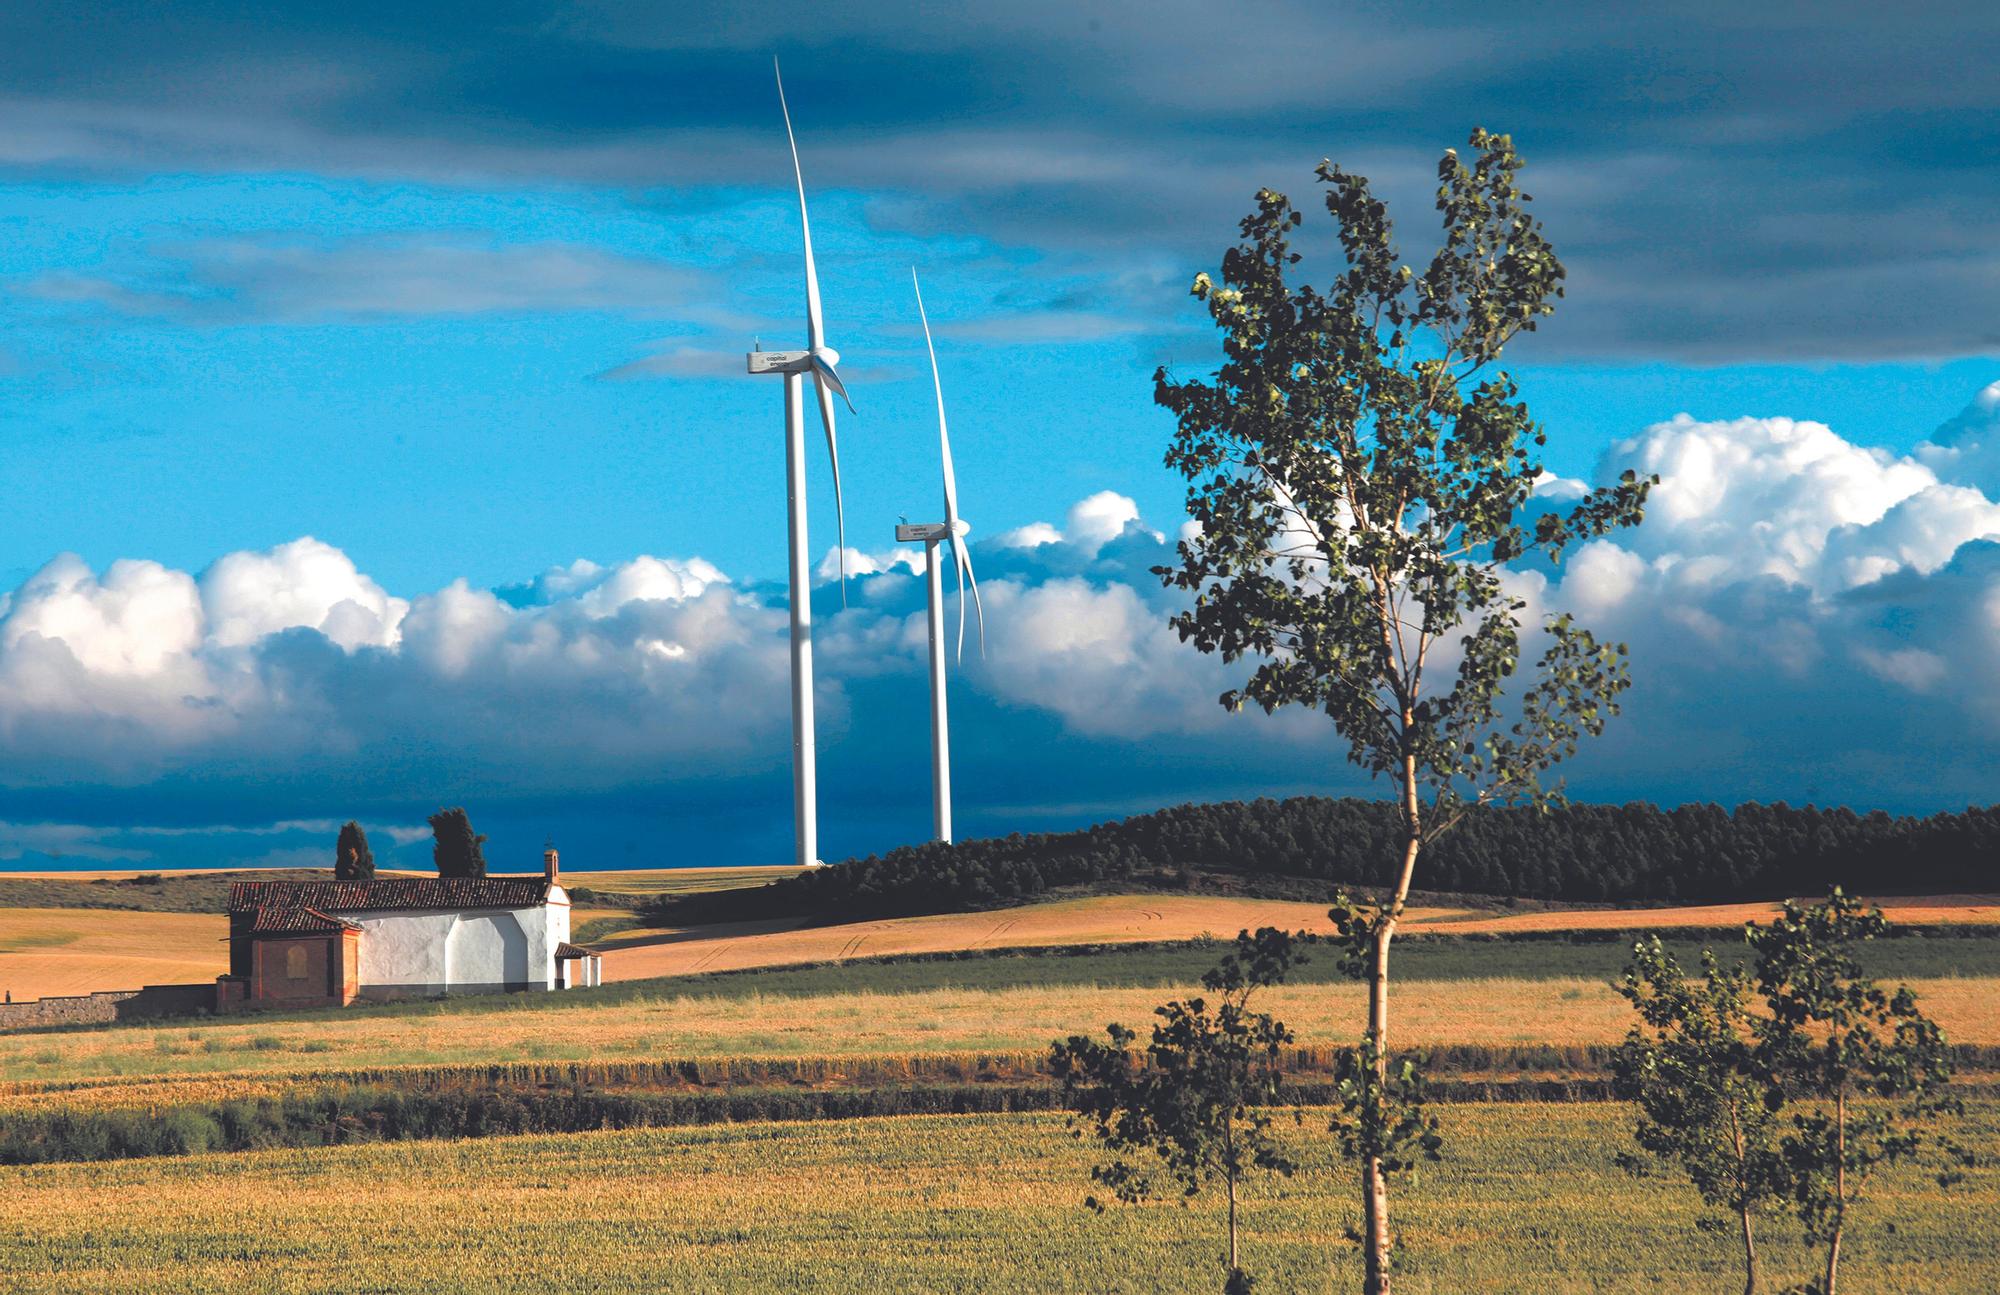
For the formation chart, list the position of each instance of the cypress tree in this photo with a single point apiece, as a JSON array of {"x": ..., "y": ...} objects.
[
  {"x": 455, "y": 847},
  {"x": 352, "y": 860}
]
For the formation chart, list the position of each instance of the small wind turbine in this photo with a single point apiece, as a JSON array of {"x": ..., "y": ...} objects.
[
  {"x": 951, "y": 530},
  {"x": 819, "y": 360}
]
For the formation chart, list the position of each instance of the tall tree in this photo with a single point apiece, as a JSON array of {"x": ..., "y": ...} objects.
[
  {"x": 455, "y": 847},
  {"x": 1362, "y": 483},
  {"x": 352, "y": 859},
  {"x": 1198, "y": 1097}
]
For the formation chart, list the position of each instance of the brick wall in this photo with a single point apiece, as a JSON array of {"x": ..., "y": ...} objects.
[{"x": 109, "y": 1005}]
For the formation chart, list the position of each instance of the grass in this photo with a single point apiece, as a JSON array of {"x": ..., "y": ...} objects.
[
  {"x": 1528, "y": 1199},
  {"x": 849, "y": 1023}
]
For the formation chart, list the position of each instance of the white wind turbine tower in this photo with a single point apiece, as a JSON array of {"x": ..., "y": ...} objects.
[
  {"x": 951, "y": 530},
  {"x": 819, "y": 360}
]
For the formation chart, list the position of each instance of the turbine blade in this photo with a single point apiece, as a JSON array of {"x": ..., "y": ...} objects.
[
  {"x": 833, "y": 452},
  {"x": 944, "y": 436},
  {"x": 833, "y": 380},
  {"x": 961, "y": 560},
  {"x": 805, "y": 223},
  {"x": 965, "y": 559}
]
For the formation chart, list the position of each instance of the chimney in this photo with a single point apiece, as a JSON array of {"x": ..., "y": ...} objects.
[{"x": 549, "y": 868}]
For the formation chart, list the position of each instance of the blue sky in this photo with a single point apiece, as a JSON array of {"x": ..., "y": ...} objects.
[{"x": 462, "y": 295}]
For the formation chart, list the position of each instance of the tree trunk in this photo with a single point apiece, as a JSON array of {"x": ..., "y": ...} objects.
[
  {"x": 1743, "y": 1203},
  {"x": 1749, "y": 1254},
  {"x": 1232, "y": 1225},
  {"x": 1839, "y": 1190},
  {"x": 1374, "y": 1182}
]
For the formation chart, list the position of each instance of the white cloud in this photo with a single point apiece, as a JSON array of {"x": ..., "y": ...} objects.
[
  {"x": 450, "y": 629},
  {"x": 1103, "y": 517},
  {"x": 650, "y": 579},
  {"x": 62, "y": 840},
  {"x": 301, "y": 584},
  {"x": 1099, "y": 656},
  {"x": 1783, "y": 572},
  {"x": 1600, "y": 576},
  {"x": 136, "y": 620},
  {"x": 1764, "y": 493},
  {"x": 1031, "y": 536},
  {"x": 1793, "y": 500},
  {"x": 909, "y": 560},
  {"x": 1967, "y": 449}
]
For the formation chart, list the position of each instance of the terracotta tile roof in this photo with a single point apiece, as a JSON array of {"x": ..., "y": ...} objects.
[
  {"x": 392, "y": 892},
  {"x": 277, "y": 919},
  {"x": 568, "y": 950}
]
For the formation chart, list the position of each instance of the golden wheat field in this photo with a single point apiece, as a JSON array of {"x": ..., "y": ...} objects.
[
  {"x": 1100, "y": 919},
  {"x": 1561, "y": 1012},
  {"x": 46, "y": 951},
  {"x": 678, "y": 881},
  {"x": 1117, "y": 919},
  {"x": 1527, "y": 1199}
]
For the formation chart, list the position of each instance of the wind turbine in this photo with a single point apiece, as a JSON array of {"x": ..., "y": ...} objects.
[
  {"x": 951, "y": 530},
  {"x": 819, "y": 360}
]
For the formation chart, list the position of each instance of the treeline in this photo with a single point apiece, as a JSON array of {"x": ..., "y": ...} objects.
[{"x": 1582, "y": 853}]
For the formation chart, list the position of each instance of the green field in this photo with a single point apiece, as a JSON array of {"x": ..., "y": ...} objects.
[{"x": 1527, "y": 1200}]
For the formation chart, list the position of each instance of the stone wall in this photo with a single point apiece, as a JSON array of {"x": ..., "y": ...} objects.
[{"x": 109, "y": 1005}]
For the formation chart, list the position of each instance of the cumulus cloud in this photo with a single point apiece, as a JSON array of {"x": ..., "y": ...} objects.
[
  {"x": 305, "y": 583},
  {"x": 1967, "y": 449},
  {"x": 138, "y": 619},
  {"x": 1799, "y": 606},
  {"x": 1091, "y": 523},
  {"x": 1100, "y": 519},
  {"x": 1033, "y": 535},
  {"x": 1794, "y": 501}
]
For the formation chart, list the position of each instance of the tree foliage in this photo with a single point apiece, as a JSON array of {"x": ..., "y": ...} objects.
[
  {"x": 352, "y": 859},
  {"x": 1363, "y": 487},
  {"x": 1860, "y": 1069},
  {"x": 1362, "y": 482},
  {"x": 1797, "y": 1098},
  {"x": 455, "y": 847},
  {"x": 1705, "y": 1101},
  {"x": 1197, "y": 1098}
]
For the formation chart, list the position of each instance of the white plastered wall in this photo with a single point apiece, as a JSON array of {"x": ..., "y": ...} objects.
[{"x": 437, "y": 951}]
